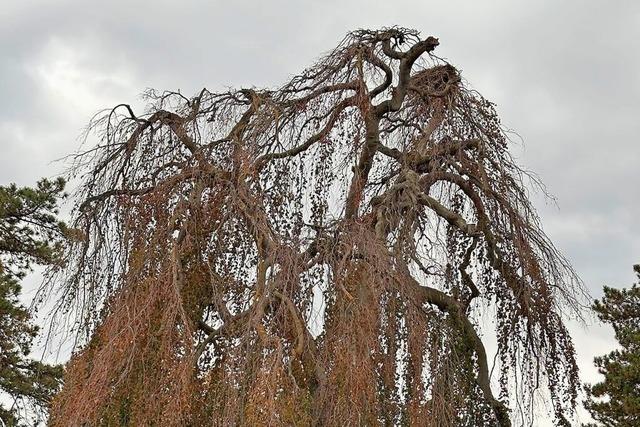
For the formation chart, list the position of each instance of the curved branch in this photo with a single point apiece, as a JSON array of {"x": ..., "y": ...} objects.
[
  {"x": 448, "y": 304},
  {"x": 450, "y": 216},
  {"x": 404, "y": 74},
  {"x": 388, "y": 74},
  {"x": 348, "y": 102}
]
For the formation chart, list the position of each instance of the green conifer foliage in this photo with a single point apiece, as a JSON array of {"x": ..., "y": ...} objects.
[
  {"x": 616, "y": 400},
  {"x": 30, "y": 234}
]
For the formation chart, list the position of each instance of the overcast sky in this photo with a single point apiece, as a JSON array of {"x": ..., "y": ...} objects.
[{"x": 565, "y": 76}]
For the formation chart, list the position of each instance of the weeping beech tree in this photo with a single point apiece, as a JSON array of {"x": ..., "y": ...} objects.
[{"x": 325, "y": 253}]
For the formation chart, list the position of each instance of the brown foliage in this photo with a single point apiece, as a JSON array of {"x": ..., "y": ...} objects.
[{"x": 373, "y": 192}]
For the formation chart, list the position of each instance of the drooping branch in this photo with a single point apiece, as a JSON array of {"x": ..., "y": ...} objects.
[
  {"x": 455, "y": 309},
  {"x": 330, "y": 243}
]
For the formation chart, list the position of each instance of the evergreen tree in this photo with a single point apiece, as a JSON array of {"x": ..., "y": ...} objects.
[
  {"x": 30, "y": 234},
  {"x": 616, "y": 400}
]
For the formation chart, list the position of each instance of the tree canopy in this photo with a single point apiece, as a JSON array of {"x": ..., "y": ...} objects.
[
  {"x": 30, "y": 233},
  {"x": 322, "y": 253},
  {"x": 616, "y": 400}
]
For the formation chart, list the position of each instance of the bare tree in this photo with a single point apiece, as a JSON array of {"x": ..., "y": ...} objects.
[{"x": 319, "y": 254}]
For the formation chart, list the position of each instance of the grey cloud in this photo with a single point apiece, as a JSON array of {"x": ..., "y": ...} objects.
[{"x": 565, "y": 76}]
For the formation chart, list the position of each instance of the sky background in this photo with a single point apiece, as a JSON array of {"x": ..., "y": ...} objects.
[{"x": 564, "y": 75}]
